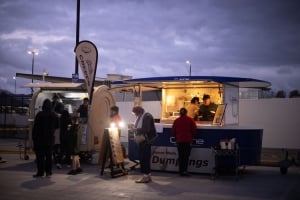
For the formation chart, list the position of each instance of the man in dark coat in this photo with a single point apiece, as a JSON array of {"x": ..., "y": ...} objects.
[
  {"x": 45, "y": 123},
  {"x": 144, "y": 125}
]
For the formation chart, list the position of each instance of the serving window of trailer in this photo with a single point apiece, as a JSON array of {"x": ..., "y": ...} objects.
[
  {"x": 176, "y": 95},
  {"x": 70, "y": 94},
  {"x": 70, "y": 99}
]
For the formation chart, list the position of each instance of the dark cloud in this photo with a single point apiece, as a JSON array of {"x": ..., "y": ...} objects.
[{"x": 255, "y": 39}]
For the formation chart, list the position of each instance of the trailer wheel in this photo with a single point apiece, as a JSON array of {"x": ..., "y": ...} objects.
[{"x": 283, "y": 170}]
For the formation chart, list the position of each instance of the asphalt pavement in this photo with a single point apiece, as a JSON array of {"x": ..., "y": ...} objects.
[{"x": 256, "y": 183}]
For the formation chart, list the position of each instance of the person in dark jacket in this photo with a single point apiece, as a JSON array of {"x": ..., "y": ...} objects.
[
  {"x": 45, "y": 123},
  {"x": 183, "y": 128},
  {"x": 58, "y": 108},
  {"x": 83, "y": 110},
  {"x": 57, "y": 105},
  {"x": 65, "y": 121},
  {"x": 74, "y": 140},
  {"x": 208, "y": 109},
  {"x": 144, "y": 125}
]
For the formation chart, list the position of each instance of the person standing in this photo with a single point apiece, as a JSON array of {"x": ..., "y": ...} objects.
[
  {"x": 116, "y": 119},
  {"x": 114, "y": 115},
  {"x": 83, "y": 110},
  {"x": 83, "y": 114},
  {"x": 65, "y": 122},
  {"x": 183, "y": 128},
  {"x": 45, "y": 124},
  {"x": 57, "y": 105},
  {"x": 74, "y": 140},
  {"x": 58, "y": 108},
  {"x": 193, "y": 108},
  {"x": 207, "y": 109},
  {"x": 144, "y": 125}
]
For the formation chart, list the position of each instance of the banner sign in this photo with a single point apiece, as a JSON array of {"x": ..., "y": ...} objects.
[
  {"x": 201, "y": 160},
  {"x": 87, "y": 56}
]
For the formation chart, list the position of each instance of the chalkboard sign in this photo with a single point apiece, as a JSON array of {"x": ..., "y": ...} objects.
[{"x": 112, "y": 149}]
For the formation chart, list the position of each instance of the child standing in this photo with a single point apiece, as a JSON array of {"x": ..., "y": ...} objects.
[{"x": 74, "y": 140}]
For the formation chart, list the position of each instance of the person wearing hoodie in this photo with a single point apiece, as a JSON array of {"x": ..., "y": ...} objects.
[{"x": 45, "y": 124}]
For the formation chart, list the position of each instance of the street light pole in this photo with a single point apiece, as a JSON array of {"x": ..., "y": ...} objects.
[
  {"x": 15, "y": 84},
  {"x": 189, "y": 63},
  {"x": 33, "y": 53},
  {"x": 77, "y": 32}
]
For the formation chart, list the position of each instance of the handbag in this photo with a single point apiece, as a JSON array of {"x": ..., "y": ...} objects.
[{"x": 139, "y": 138}]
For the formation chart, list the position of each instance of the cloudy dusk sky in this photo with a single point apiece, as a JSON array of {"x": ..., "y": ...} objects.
[{"x": 150, "y": 38}]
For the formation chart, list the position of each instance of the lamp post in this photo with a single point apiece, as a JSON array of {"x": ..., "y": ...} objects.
[
  {"x": 15, "y": 84},
  {"x": 33, "y": 53},
  {"x": 189, "y": 63},
  {"x": 45, "y": 73}
]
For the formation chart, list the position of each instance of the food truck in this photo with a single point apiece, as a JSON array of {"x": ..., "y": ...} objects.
[
  {"x": 174, "y": 93},
  {"x": 177, "y": 92}
]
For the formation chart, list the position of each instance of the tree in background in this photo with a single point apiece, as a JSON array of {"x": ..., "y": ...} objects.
[
  {"x": 280, "y": 94},
  {"x": 294, "y": 94}
]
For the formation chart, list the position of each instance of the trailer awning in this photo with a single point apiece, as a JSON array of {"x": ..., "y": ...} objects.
[
  {"x": 57, "y": 86},
  {"x": 155, "y": 83}
]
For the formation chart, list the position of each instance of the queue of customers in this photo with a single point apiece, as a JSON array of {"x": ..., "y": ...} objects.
[
  {"x": 56, "y": 136},
  {"x": 67, "y": 149}
]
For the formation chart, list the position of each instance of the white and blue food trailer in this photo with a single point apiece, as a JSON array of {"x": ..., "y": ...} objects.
[{"x": 176, "y": 92}]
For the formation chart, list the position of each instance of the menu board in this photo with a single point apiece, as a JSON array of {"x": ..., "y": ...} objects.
[
  {"x": 111, "y": 146},
  {"x": 219, "y": 114}
]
